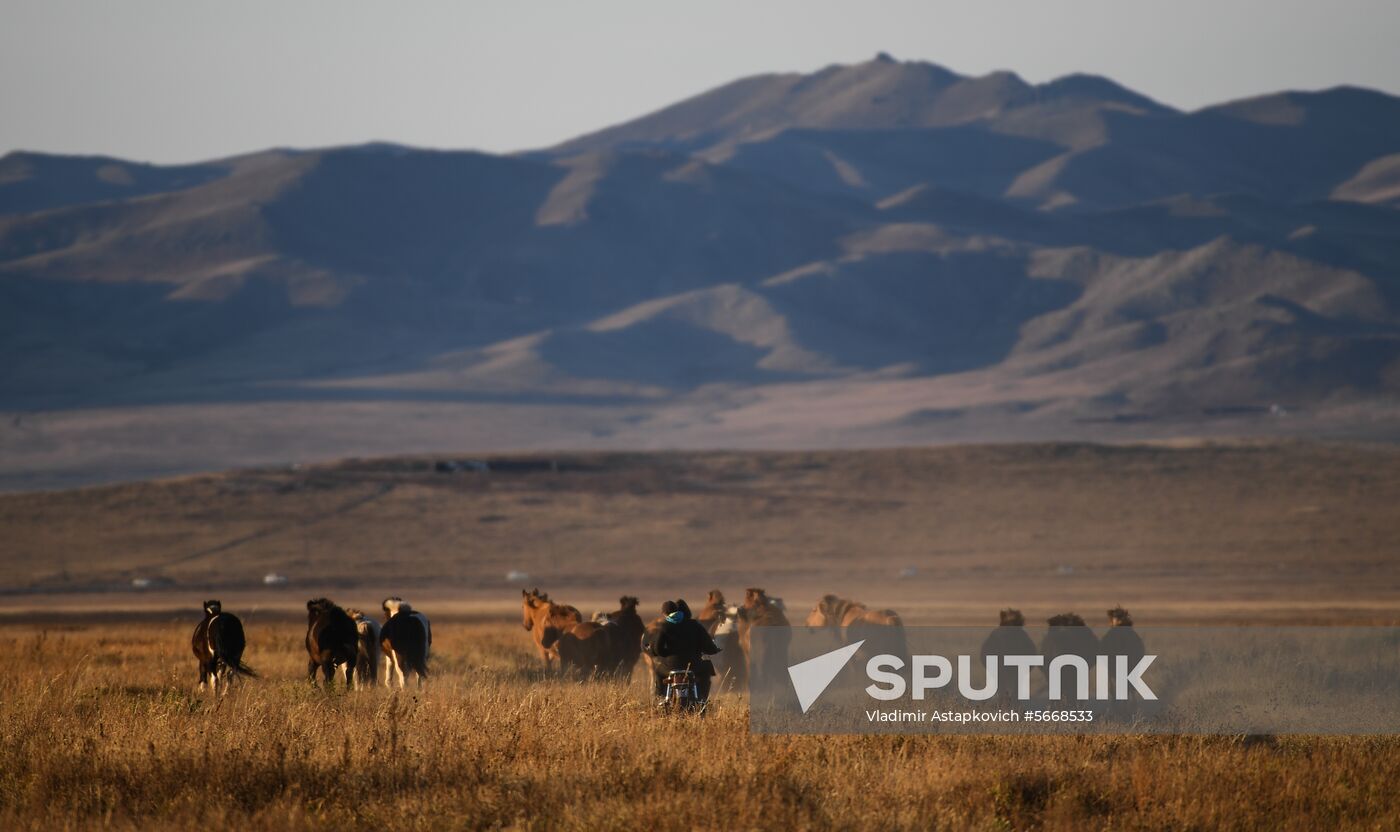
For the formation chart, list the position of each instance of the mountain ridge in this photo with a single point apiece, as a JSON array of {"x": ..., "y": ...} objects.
[{"x": 905, "y": 239}]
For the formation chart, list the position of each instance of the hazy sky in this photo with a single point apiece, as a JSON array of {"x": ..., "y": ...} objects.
[{"x": 192, "y": 79}]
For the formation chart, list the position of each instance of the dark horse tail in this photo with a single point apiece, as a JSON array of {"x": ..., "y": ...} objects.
[{"x": 226, "y": 632}]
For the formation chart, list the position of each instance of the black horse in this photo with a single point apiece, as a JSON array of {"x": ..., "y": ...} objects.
[
  {"x": 1009, "y": 639},
  {"x": 331, "y": 640},
  {"x": 405, "y": 642},
  {"x": 1068, "y": 635},
  {"x": 218, "y": 644}
]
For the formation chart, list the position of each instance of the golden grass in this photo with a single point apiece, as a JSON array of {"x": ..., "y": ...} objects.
[{"x": 100, "y": 726}]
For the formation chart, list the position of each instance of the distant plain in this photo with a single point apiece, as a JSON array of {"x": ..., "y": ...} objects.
[{"x": 1175, "y": 531}]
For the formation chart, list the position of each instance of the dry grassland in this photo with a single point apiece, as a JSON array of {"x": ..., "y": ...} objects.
[{"x": 99, "y": 725}]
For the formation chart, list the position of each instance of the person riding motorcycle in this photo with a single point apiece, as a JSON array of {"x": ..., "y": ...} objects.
[{"x": 682, "y": 644}]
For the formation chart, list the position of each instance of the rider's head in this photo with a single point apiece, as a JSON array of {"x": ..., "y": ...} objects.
[{"x": 672, "y": 611}]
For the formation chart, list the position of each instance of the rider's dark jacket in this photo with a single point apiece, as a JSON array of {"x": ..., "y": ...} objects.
[{"x": 685, "y": 644}]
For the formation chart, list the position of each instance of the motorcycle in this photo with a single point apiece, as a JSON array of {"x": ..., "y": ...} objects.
[{"x": 682, "y": 694}]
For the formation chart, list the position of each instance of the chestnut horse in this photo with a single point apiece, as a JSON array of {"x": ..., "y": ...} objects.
[
  {"x": 722, "y": 623},
  {"x": 546, "y": 621},
  {"x": 766, "y": 657},
  {"x": 609, "y": 645},
  {"x": 585, "y": 649},
  {"x": 712, "y": 614},
  {"x": 843, "y": 614},
  {"x": 851, "y": 621}
]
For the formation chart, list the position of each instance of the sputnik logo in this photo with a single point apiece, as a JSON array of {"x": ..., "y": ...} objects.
[{"x": 812, "y": 677}]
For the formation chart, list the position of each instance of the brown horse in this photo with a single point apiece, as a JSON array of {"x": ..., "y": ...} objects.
[
  {"x": 370, "y": 653},
  {"x": 218, "y": 645},
  {"x": 766, "y": 656},
  {"x": 721, "y": 621},
  {"x": 650, "y": 632},
  {"x": 546, "y": 621},
  {"x": 586, "y": 649},
  {"x": 332, "y": 640},
  {"x": 609, "y": 645},
  {"x": 842, "y": 614},
  {"x": 627, "y": 637},
  {"x": 713, "y": 613},
  {"x": 852, "y": 621}
]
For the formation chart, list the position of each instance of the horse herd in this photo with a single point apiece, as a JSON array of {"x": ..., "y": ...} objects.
[
  {"x": 609, "y": 644},
  {"x": 347, "y": 640}
]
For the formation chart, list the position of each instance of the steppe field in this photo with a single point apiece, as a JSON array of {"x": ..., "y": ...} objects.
[{"x": 101, "y": 725}]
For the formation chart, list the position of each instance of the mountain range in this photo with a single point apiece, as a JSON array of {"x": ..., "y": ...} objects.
[{"x": 880, "y": 252}]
